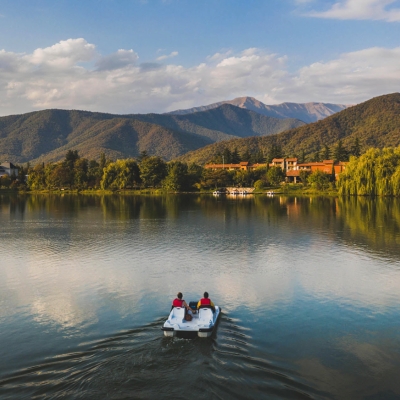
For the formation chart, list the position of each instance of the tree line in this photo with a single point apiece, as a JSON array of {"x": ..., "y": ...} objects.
[
  {"x": 375, "y": 173},
  {"x": 77, "y": 173}
]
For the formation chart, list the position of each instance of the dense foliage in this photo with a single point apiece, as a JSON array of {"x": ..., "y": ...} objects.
[
  {"x": 76, "y": 173},
  {"x": 375, "y": 173}
]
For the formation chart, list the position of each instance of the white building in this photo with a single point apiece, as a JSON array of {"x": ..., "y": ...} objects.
[{"x": 7, "y": 168}]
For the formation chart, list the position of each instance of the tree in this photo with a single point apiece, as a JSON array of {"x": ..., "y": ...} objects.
[
  {"x": 236, "y": 157},
  {"x": 80, "y": 172},
  {"x": 215, "y": 179},
  {"x": 275, "y": 175},
  {"x": 120, "y": 174},
  {"x": 303, "y": 156},
  {"x": 339, "y": 152},
  {"x": 94, "y": 173},
  {"x": 227, "y": 156},
  {"x": 5, "y": 181},
  {"x": 246, "y": 156},
  {"x": 355, "y": 149},
  {"x": 36, "y": 178},
  {"x": 304, "y": 174},
  {"x": 259, "y": 184},
  {"x": 319, "y": 180},
  {"x": 274, "y": 152},
  {"x": 326, "y": 153},
  {"x": 103, "y": 161},
  {"x": 243, "y": 178},
  {"x": 177, "y": 177},
  {"x": 152, "y": 171},
  {"x": 57, "y": 176},
  {"x": 258, "y": 158}
]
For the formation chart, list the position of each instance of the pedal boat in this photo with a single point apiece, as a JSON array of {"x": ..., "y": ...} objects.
[{"x": 203, "y": 322}]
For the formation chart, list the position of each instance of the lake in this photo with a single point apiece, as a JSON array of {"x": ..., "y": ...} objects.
[{"x": 309, "y": 289}]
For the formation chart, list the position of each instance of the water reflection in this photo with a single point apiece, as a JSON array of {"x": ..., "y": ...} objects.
[{"x": 309, "y": 289}]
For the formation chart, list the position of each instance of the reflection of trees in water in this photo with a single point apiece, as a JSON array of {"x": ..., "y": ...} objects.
[
  {"x": 374, "y": 222},
  {"x": 13, "y": 205},
  {"x": 121, "y": 208}
]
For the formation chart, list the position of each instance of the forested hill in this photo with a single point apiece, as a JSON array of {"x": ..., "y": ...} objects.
[
  {"x": 223, "y": 123},
  {"x": 47, "y": 135},
  {"x": 376, "y": 123}
]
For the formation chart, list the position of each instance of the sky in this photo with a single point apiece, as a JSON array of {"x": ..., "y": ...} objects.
[{"x": 141, "y": 56}]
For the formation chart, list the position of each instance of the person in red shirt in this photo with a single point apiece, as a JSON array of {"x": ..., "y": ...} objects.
[
  {"x": 179, "y": 302},
  {"x": 206, "y": 302}
]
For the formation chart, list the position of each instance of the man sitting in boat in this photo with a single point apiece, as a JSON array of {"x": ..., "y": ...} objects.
[
  {"x": 206, "y": 302},
  {"x": 179, "y": 302}
]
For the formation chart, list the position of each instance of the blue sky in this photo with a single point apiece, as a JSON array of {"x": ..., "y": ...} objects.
[{"x": 128, "y": 56}]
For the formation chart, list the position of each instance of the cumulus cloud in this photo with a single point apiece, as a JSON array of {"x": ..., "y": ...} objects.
[
  {"x": 72, "y": 75},
  {"x": 362, "y": 9},
  {"x": 64, "y": 54}
]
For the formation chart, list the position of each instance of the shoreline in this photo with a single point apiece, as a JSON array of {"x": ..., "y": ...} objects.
[{"x": 161, "y": 192}]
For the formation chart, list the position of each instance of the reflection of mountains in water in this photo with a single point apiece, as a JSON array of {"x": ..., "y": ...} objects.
[{"x": 371, "y": 224}]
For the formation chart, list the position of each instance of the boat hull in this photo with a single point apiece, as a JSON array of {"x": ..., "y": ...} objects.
[{"x": 203, "y": 323}]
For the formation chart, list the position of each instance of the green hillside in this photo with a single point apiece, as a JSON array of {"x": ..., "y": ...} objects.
[
  {"x": 47, "y": 135},
  {"x": 376, "y": 123},
  {"x": 223, "y": 123}
]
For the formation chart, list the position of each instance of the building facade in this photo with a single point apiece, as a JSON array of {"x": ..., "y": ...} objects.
[
  {"x": 290, "y": 166},
  {"x": 8, "y": 168}
]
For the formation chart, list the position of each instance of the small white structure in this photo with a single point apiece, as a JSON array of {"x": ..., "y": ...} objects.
[{"x": 7, "y": 168}]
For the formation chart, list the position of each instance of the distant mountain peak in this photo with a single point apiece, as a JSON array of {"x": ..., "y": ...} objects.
[{"x": 306, "y": 112}]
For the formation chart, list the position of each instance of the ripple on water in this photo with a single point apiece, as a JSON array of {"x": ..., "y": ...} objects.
[{"x": 142, "y": 363}]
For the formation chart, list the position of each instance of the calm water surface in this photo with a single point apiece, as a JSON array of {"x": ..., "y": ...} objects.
[{"x": 309, "y": 289}]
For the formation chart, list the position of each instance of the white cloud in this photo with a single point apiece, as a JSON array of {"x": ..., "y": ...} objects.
[
  {"x": 165, "y": 57},
  {"x": 55, "y": 77},
  {"x": 351, "y": 78},
  {"x": 362, "y": 10},
  {"x": 120, "y": 59},
  {"x": 64, "y": 54}
]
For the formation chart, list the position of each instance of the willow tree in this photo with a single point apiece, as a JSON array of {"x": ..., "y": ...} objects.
[
  {"x": 376, "y": 172},
  {"x": 385, "y": 166}
]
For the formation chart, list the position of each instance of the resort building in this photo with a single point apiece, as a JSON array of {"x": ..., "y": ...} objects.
[
  {"x": 243, "y": 166},
  {"x": 7, "y": 168},
  {"x": 290, "y": 166}
]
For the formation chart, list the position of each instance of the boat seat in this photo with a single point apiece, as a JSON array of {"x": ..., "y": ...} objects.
[
  {"x": 206, "y": 314},
  {"x": 207, "y": 306},
  {"x": 178, "y": 313}
]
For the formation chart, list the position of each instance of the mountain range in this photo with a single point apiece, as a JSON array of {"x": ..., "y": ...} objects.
[
  {"x": 375, "y": 123},
  {"x": 47, "y": 135},
  {"x": 306, "y": 112}
]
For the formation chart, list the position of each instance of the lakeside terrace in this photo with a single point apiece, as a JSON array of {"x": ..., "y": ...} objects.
[{"x": 290, "y": 166}]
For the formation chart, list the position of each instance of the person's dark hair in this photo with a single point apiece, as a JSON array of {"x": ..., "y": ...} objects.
[
  {"x": 179, "y": 295},
  {"x": 205, "y": 295}
]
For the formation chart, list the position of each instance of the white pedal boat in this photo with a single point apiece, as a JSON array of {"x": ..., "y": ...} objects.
[{"x": 203, "y": 322}]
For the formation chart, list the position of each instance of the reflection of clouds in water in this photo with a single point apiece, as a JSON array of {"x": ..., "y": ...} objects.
[
  {"x": 239, "y": 257},
  {"x": 373, "y": 357},
  {"x": 67, "y": 291},
  {"x": 63, "y": 311},
  {"x": 345, "y": 274},
  {"x": 373, "y": 362}
]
